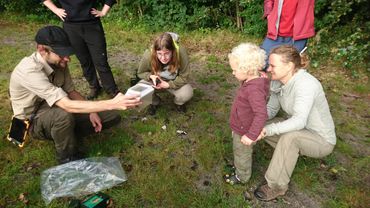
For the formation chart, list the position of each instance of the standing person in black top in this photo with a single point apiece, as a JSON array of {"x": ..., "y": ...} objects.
[{"x": 81, "y": 21}]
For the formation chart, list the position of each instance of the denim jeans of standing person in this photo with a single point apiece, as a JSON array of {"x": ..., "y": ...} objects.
[{"x": 269, "y": 44}]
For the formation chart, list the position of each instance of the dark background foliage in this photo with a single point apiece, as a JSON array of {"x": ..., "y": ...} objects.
[{"x": 342, "y": 26}]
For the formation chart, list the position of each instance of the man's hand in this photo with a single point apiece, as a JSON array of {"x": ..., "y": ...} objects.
[
  {"x": 246, "y": 141},
  {"x": 96, "y": 122},
  {"x": 124, "y": 102},
  {"x": 97, "y": 13}
]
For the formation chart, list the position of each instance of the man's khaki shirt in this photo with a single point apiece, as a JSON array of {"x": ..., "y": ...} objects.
[{"x": 34, "y": 80}]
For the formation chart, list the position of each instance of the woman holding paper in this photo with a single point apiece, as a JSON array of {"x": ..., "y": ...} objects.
[{"x": 166, "y": 67}]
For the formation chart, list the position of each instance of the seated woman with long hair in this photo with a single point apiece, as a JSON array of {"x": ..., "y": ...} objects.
[{"x": 166, "y": 67}]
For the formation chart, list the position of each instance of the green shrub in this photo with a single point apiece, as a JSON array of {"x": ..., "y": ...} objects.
[
  {"x": 343, "y": 32},
  {"x": 32, "y": 9},
  {"x": 252, "y": 14}
]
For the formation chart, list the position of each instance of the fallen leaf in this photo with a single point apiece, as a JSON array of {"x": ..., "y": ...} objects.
[
  {"x": 23, "y": 198},
  {"x": 181, "y": 132},
  {"x": 323, "y": 165},
  {"x": 333, "y": 170}
]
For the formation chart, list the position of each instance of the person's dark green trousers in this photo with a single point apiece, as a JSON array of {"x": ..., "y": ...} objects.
[{"x": 67, "y": 129}]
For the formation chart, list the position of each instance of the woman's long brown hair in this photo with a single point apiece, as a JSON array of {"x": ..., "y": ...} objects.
[{"x": 164, "y": 41}]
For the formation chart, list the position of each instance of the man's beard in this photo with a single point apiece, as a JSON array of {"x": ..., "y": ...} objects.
[{"x": 60, "y": 65}]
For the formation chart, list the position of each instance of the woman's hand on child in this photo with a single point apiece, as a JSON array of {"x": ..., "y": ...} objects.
[
  {"x": 246, "y": 141},
  {"x": 262, "y": 134}
]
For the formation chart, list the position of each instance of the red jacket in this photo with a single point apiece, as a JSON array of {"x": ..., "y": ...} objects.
[
  {"x": 249, "y": 112},
  {"x": 303, "y": 20}
]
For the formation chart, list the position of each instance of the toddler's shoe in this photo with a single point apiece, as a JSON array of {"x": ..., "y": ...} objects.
[{"x": 232, "y": 179}]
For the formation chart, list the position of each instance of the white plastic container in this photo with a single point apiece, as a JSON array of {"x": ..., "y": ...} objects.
[{"x": 145, "y": 91}]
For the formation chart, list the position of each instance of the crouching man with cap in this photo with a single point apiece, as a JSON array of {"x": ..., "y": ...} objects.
[{"x": 41, "y": 90}]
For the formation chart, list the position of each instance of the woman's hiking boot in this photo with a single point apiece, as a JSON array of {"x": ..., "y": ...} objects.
[{"x": 265, "y": 193}]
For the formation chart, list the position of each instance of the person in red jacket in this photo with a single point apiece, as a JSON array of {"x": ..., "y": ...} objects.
[
  {"x": 288, "y": 22},
  {"x": 248, "y": 112}
]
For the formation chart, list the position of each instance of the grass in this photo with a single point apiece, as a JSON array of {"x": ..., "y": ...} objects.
[{"x": 165, "y": 169}]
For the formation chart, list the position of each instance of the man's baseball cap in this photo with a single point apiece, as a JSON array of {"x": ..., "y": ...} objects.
[{"x": 56, "y": 38}]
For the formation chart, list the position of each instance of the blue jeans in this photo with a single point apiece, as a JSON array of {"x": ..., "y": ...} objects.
[{"x": 269, "y": 44}]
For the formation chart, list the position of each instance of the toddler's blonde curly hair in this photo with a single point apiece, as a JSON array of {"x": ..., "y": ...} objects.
[{"x": 250, "y": 58}]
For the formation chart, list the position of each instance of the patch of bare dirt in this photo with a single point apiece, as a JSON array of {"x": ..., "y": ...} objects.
[
  {"x": 356, "y": 140},
  {"x": 124, "y": 59},
  {"x": 14, "y": 40},
  {"x": 9, "y": 41}
]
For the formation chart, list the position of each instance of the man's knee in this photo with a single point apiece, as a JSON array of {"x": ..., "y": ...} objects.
[
  {"x": 63, "y": 118},
  {"x": 110, "y": 118}
]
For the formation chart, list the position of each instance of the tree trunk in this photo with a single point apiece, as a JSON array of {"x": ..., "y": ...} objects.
[
  {"x": 140, "y": 11},
  {"x": 239, "y": 20}
]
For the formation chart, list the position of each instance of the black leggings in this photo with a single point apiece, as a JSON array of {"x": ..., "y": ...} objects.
[{"x": 88, "y": 41}]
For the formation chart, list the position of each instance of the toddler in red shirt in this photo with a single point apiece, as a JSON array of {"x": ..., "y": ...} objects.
[{"x": 248, "y": 112}]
